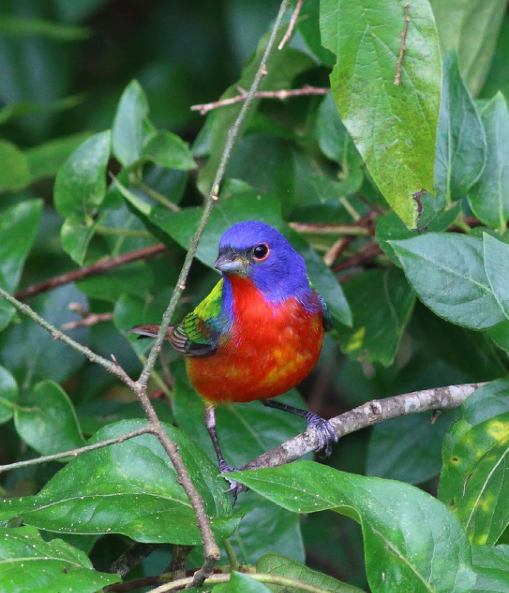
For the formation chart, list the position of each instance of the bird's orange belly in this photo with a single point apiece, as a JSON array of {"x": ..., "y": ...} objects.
[{"x": 269, "y": 351}]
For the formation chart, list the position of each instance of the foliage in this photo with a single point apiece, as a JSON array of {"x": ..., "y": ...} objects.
[{"x": 397, "y": 197}]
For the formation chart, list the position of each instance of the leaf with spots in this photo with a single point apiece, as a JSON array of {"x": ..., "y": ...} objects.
[
  {"x": 474, "y": 481},
  {"x": 410, "y": 538},
  {"x": 129, "y": 488},
  {"x": 29, "y": 564}
]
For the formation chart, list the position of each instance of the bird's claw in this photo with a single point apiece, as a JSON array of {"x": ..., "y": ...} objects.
[
  {"x": 325, "y": 431},
  {"x": 235, "y": 487}
]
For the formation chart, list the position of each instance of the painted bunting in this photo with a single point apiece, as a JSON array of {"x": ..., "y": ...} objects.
[{"x": 258, "y": 333}]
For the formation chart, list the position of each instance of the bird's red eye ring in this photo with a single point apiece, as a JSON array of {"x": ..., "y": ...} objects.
[{"x": 261, "y": 252}]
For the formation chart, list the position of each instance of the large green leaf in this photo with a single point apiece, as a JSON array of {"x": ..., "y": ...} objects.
[
  {"x": 240, "y": 205},
  {"x": 492, "y": 566},
  {"x": 496, "y": 265},
  {"x": 80, "y": 184},
  {"x": 45, "y": 419},
  {"x": 447, "y": 273},
  {"x": 8, "y": 395},
  {"x": 461, "y": 141},
  {"x": 393, "y": 126},
  {"x": 241, "y": 583},
  {"x": 128, "y": 127},
  {"x": 18, "y": 227},
  {"x": 168, "y": 150},
  {"x": 381, "y": 303},
  {"x": 28, "y": 564},
  {"x": 489, "y": 197},
  {"x": 410, "y": 538},
  {"x": 286, "y": 567},
  {"x": 474, "y": 481},
  {"x": 471, "y": 27},
  {"x": 128, "y": 488},
  {"x": 14, "y": 172}
]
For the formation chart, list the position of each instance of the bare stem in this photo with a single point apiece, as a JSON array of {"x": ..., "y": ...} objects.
[
  {"x": 306, "y": 90},
  {"x": 291, "y": 26},
  {"x": 402, "y": 50}
]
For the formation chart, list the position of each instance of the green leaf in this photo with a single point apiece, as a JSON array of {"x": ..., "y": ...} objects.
[
  {"x": 128, "y": 127},
  {"x": 241, "y": 583},
  {"x": 491, "y": 564},
  {"x": 461, "y": 141},
  {"x": 390, "y": 227},
  {"x": 80, "y": 185},
  {"x": 489, "y": 197},
  {"x": 286, "y": 567},
  {"x": 18, "y": 228},
  {"x": 474, "y": 482},
  {"x": 409, "y": 537},
  {"x": 308, "y": 25},
  {"x": 496, "y": 265},
  {"x": 447, "y": 273},
  {"x": 471, "y": 27},
  {"x": 381, "y": 303},
  {"x": 45, "y": 419},
  {"x": 46, "y": 159},
  {"x": 244, "y": 204},
  {"x": 168, "y": 150},
  {"x": 28, "y": 564},
  {"x": 129, "y": 488},
  {"x": 134, "y": 279},
  {"x": 76, "y": 234},
  {"x": 14, "y": 172},
  {"x": 409, "y": 448},
  {"x": 393, "y": 126},
  {"x": 48, "y": 358},
  {"x": 8, "y": 395},
  {"x": 15, "y": 26}
]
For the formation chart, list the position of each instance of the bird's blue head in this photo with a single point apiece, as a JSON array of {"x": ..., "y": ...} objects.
[{"x": 257, "y": 251}]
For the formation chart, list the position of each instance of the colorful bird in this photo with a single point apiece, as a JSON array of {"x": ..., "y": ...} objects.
[{"x": 258, "y": 333}]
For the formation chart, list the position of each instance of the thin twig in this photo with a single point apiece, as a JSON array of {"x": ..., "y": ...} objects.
[
  {"x": 368, "y": 414},
  {"x": 78, "y": 451},
  {"x": 131, "y": 558},
  {"x": 98, "y": 268},
  {"x": 336, "y": 250},
  {"x": 306, "y": 90},
  {"x": 291, "y": 26},
  {"x": 211, "y": 549},
  {"x": 369, "y": 251},
  {"x": 90, "y": 319},
  {"x": 355, "y": 229},
  {"x": 403, "y": 45}
]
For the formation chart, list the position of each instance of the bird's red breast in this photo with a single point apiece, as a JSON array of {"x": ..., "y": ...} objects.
[{"x": 269, "y": 349}]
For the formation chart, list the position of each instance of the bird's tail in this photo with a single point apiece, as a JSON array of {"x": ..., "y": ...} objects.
[{"x": 149, "y": 331}]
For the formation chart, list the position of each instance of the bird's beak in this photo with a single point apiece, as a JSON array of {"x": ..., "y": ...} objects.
[{"x": 231, "y": 262}]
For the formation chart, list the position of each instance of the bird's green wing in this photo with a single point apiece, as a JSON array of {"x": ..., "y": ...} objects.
[{"x": 198, "y": 333}]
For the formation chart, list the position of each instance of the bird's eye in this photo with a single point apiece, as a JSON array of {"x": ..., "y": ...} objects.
[{"x": 261, "y": 252}]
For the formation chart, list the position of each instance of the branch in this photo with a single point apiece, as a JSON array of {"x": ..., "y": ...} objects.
[
  {"x": 98, "y": 268},
  {"x": 403, "y": 46},
  {"x": 291, "y": 26},
  {"x": 368, "y": 414},
  {"x": 306, "y": 90}
]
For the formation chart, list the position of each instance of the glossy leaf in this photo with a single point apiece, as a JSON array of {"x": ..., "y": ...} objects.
[
  {"x": 474, "y": 480},
  {"x": 489, "y": 197},
  {"x": 447, "y": 273},
  {"x": 14, "y": 173},
  {"x": 168, "y": 150},
  {"x": 280, "y": 565},
  {"x": 76, "y": 234},
  {"x": 8, "y": 395},
  {"x": 409, "y": 537},
  {"x": 408, "y": 448},
  {"x": 471, "y": 27},
  {"x": 393, "y": 126},
  {"x": 129, "y": 488},
  {"x": 18, "y": 228},
  {"x": 309, "y": 27},
  {"x": 80, "y": 185},
  {"x": 491, "y": 564},
  {"x": 45, "y": 419},
  {"x": 496, "y": 264},
  {"x": 461, "y": 141},
  {"x": 29, "y": 564},
  {"x": 382, "y": 303},
  {"x": 241, "y": 583},
  {"x": 244, "y": 205},
  {"x": 128, "y": 127}
]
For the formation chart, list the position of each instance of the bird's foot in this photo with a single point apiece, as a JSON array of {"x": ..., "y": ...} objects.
[
  {"x": 235, "y": 487},
  {"x": 325, "y": 431}
]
